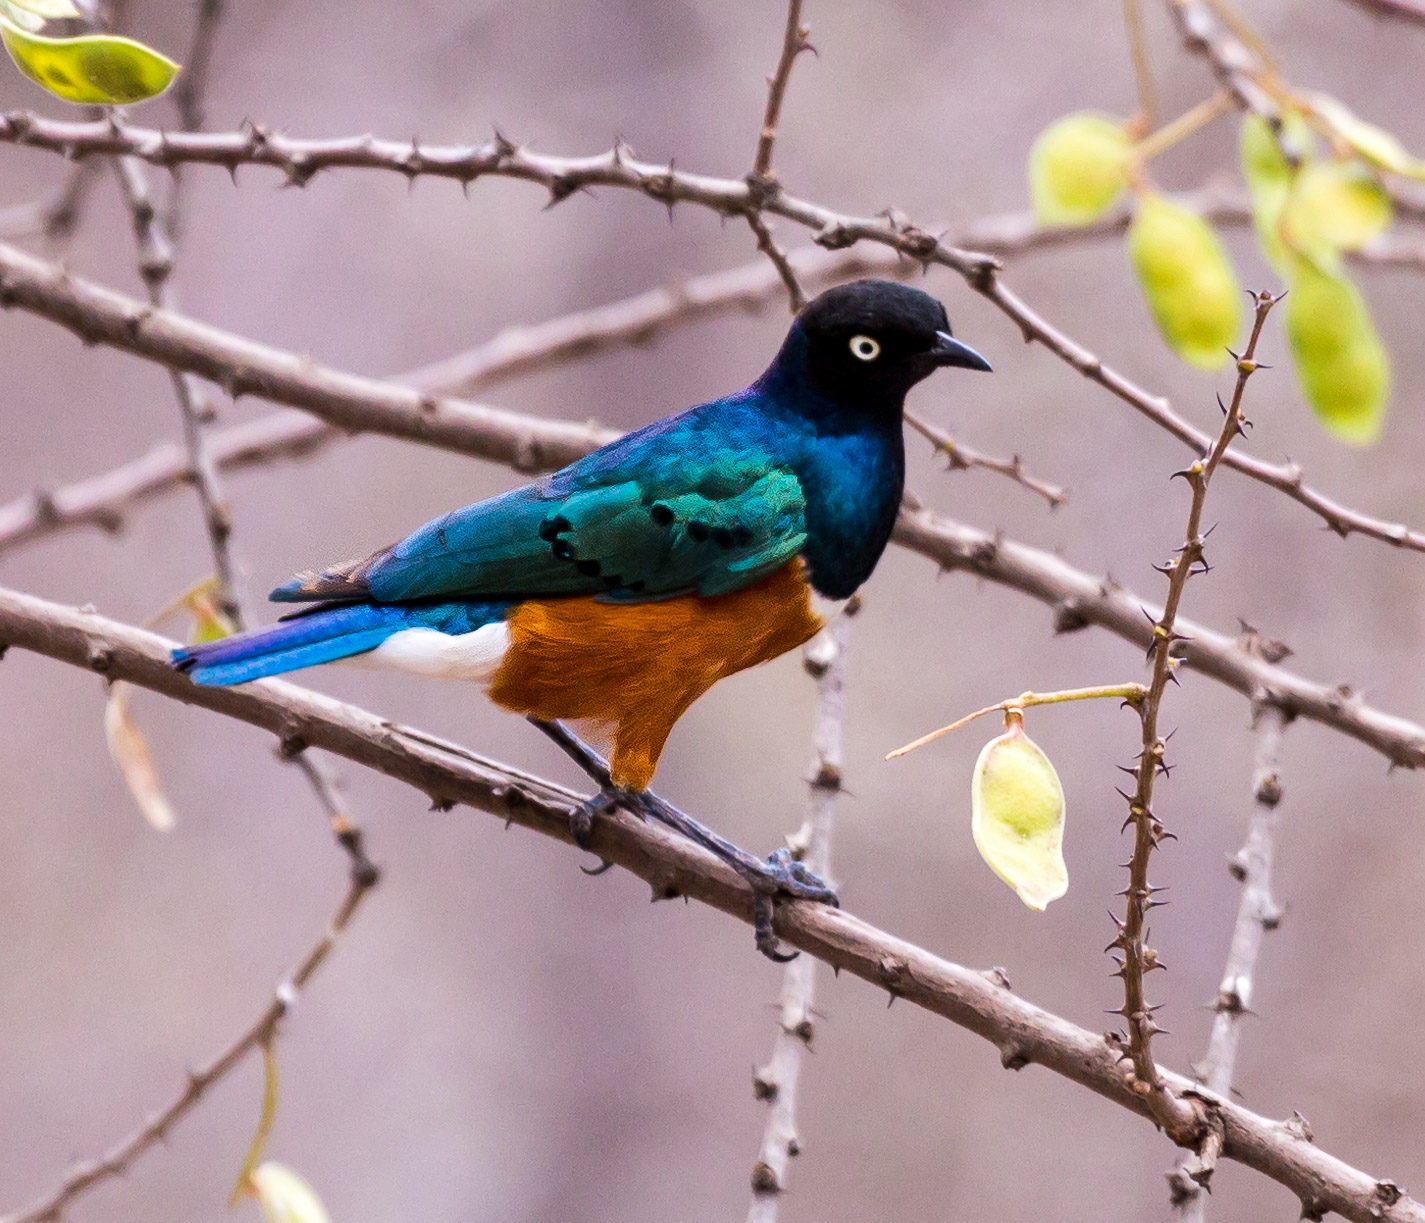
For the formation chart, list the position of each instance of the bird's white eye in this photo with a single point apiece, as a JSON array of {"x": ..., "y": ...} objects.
[{"x": 864, "y": 348}]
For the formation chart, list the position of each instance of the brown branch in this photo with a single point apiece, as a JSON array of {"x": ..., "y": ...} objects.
[
  {"x": 979, "y": 1002},
  {"x": 118, "y": 1160},
  {"x": 191, "y": 88},
  {"x": 352, "y": 403},
  {"x": 1138, "y": 959},
  {"x": 564, "y": 176},
  {"x": 794, "y": 42},
  {"x": 1257, "y": 913},
  {"x": 961, "y": 458},
  {"x": 778, "y": 1080},
  {"x": 796, "y": 299}
]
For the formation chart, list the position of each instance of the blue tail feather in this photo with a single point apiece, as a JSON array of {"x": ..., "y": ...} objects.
[{"x": 324, "y": 635}]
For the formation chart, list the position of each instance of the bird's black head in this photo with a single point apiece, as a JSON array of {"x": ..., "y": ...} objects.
[{"x": 864, "y": 345}]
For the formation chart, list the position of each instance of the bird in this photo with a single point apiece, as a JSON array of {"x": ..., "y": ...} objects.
[{"x": 622, "y": 587}]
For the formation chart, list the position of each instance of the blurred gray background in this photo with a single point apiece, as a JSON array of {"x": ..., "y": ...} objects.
[{"x": 501, "y": 1038}]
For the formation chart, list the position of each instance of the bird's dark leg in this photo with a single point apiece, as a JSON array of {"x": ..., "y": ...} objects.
[{"x": 780, "y": 874}]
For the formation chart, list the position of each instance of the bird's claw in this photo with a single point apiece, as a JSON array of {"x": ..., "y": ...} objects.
[
  {"x": 781, "y": 875},
  {"x": 581, "y": 822}
]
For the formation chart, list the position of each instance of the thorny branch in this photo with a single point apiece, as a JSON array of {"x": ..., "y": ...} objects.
[
  {"x": 1138, "y": 959},
  {"x": 777, "y": 1082},
  {"x": 563, "y": 176},
  {"x": 979, "y": 1002},
  {"x": 118, "y": 1160},
  {"x": 794, "y": 42},
  {"x": 960, "y": 457},
  {"x": 155, "y": 233},
  {"x": 353, "y": 404},
  {"x": 1257, "y": 913}
]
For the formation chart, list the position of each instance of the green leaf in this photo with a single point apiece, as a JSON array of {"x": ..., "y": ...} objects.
[
  {"x": 1378, "y": 146},
  {"x": 93, "y": 69},
  {"x": 1076, "y": 168},
  {"x": 1269, "y": 174},
  {"x": 1340, "y": 360},
  {"x": 1334, "y": 206},
  {"x": 1017, "y": 816},
  {"x": 1187, "y": 279}
]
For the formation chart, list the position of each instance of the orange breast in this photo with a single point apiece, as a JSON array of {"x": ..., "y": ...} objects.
[{"x": 639, "y": 666}]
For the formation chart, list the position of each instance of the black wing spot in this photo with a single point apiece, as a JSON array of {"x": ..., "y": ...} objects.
[
  {"x": 698, "y": 531},
  {"x": 741, "y": 537},
  {"x": 637, "y": 586},
  {"x": 588, "y": 568},
  {"x": 613, "y": 580},
  {"x": 722, "y": 537},
  {"x": 661, "y": 514},
  {"x": 551, "y": 527},
  {"x": 563, "y": 549}
]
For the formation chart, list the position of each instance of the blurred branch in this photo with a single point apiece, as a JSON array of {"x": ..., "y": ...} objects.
[
  {"x": 778, "y": 259},
  {"x": 449, "y": 774},
  {"x": 1147, "y": 117},
  {"x": 1138, "y": 959},
  {"x": 55, "y": 214},
  {"x": 191, "y": 89},
  {"x": 1237, "y": 67},
  {"x": 1257, "y": 913},
  {"x": 777, "y": 1081},
  {"x": 156, "y": 257},
  {"x": 156, "y": 1129},
  {"x": 1398, "y": 10}
]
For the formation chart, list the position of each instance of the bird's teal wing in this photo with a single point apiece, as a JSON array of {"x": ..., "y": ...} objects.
[{"x": 677, "y": 508}]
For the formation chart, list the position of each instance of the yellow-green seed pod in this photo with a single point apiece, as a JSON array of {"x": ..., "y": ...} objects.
[
  {"x": 1378, "y": 146},
  {"x": 1343, "y": 366},
  {"x": 1334, "y": 206},
  {"x": 285, "y": 1197},
  {"x": 1017, "y": 807},
  {"x": 1187, "y": 279},
  {"x": 1076, "y": 168},
  {"x": 93, "y": 69},
  {"x": 1269, "y": 174}
]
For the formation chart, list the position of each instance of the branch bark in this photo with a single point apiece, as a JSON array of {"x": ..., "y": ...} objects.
[{"x": 449, "y": 774}]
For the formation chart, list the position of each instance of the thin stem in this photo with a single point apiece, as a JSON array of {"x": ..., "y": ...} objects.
[
  {"x": 1142, "y": 64},
  {"x": 1185, "y": 125},
  {"x": 1138, "y": 959},
  {"x": 1132, "y": 694}
]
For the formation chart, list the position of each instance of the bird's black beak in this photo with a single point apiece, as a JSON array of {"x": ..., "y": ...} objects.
[{"x": 947, "y": 350}]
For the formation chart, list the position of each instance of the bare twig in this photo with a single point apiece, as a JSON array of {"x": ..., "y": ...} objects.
[
  {"x": 55, "y": 214},
  {"x": 962, "y": 458},
  {"x": 1138, "y": 959},
  {"x": 562, "y": 177},
  {"x": 118, "y": 1160},
  {"x": 777, "y": 1081},
  {"x": 794, "y": 42},
  {"x": 156, "y": 265},
  {"x": 1142, "y": 64},
  {"x": 191, "y": 89},
  {"x": 1237, "y": 67},
  {"x": 796, "y": 299},
  {"x": 1257, "y": 913},
  {"x": 1023, "y": 1032}
]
